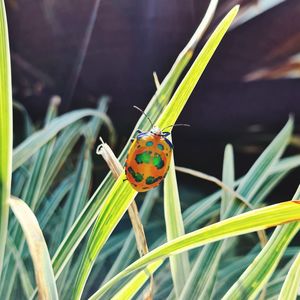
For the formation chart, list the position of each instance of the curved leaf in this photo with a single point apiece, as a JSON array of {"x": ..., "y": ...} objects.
[
  {"x": 38, "y": 249},
  {"x": 252, "y": 221},
  {"x": 5, "y": 129}
]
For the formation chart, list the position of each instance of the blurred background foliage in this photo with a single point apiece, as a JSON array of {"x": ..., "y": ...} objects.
[{"x": 81, "y": 50}]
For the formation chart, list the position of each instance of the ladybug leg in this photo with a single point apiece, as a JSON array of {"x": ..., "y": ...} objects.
[
  {"x": 132, "y": 139},
  {"x": 169, "y": 143},
  {"x": 125, "y": 179},
  {"x": 138, "y": 133}
]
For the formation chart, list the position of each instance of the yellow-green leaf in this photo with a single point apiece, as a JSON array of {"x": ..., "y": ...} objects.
[
  {"x": 252, "y": 221},
  {"x": 5, "y": 130}
]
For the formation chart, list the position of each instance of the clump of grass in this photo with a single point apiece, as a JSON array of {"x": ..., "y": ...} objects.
[{"x": 90, "y": 259}]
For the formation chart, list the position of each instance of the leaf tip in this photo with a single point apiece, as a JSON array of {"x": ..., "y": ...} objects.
[{"x": 234, "y": 11}]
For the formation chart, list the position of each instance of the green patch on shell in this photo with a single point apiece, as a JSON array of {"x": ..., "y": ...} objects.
[
  {"x": 160, "y": 147},
  {"x": 137, "y": 176},
  {"x": 157, "y": 161},
  {"x": 143, "y": 158},
  {"x": 151, "y": 179},
  {"x": 149, "y": 144}
]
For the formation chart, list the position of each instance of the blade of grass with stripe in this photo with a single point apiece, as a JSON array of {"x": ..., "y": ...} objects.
[
  {"x": 192, "y": 218},
  {"x": 201, "y": 281},
  {"x": 65, "y": 143},
  {"x": 83, "y": 173},
  {"x": 104, "y": 225},
  {"x": 5, "y": 130},
  {"x": 251, "y": 221},
  {"x": 23, "y": 273},
  {"x": 138, "y": 281},
  {"x": 291, "y": 284},
  {"x": 128, "y": 250},
  {"x": 32, "y": 190},
  {"x": 258, "y": 273},
  {"x": 228, "y": 179},
  {"x": 33, "y": 143},
  {"x": 77, "y": 196},
  {"x": 153, "y": 110},
  {"x": 134, "y": 285},
  {"x": 111, "y": 248},
  {"x": 31, "y": 195},
  {"x": 278, "y": 171},
  {"x": 38, "y": 249},
  {"x": 202, "y": 278},
  {"x": 232, "y": 269},
  {"x": 261, "y": 169},
  {"x": 52, "y": 203},
  {"x": 180, "y": 265}
]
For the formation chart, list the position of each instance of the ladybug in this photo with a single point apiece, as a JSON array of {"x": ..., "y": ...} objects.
[{"x": 148, "y": 158}]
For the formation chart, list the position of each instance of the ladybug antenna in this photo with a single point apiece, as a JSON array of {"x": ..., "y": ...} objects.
[
  {"x": 186, "y": 125},
  {"x": 144, "y": 114}
]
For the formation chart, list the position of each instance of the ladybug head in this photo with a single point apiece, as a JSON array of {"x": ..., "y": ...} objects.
[{"x": 156, "y": 131}]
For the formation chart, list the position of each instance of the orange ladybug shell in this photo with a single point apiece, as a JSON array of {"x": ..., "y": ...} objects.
[{"x": 148, "y": 161}]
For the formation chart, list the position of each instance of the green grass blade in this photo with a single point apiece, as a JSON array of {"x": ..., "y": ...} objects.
[
  {"x": 111, "y": 211},
  {"x": 129, "y": 248},
  {"x": 232, "y": 269},
  {"x": 133, "y": 286},
  {"x": 104, "y": 225},
  {"x": 38, "y": 249},
  {"x": 28, "y": 126},
  {"x": 251, "y": 221},
  {"x": 94, "y": 125},
  {"x": 202, "y": 278},
  {"x": 190, "y": 80},
  {"x": 205, "y": 268},
  {"x": 23, "y": 273},
  {"x": 79, "y": 191},
  {"x": 53, "y": 202},
  {"x": 5, "y": 130},
  {"x": 258, "y": 273},
  {"x": 205, "y": 22},
  {"x": 227, "y": 178},
  {"x": 261, "y": 169},
  {"x": 277, "y": 172},
  {"x": 111, "y": 248},
  {"x": 270, "y": 183},
  {"x": 65, "y": 143},
  {"x": 273, "y": 289},
  {"x": 33, "y": 143},
  {"x": 31, "y": 192},
  {"x": 19, "y": 180},
  {"x": 89, "y": 214},
  {"x": 203, "y": 215},
  {"x": 180, "y": 265},
  {"x": 287, "y": 163},
  {"x": 76, "y": 198},
  {"x": 291, "y": 284},
  {"x": 81, "y": 226}
]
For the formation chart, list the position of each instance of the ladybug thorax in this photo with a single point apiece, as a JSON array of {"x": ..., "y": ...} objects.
[{"x": 148, "y": 160}]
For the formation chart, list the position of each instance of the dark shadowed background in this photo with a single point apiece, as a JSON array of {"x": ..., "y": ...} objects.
[{"x": 84, "y": 49}]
